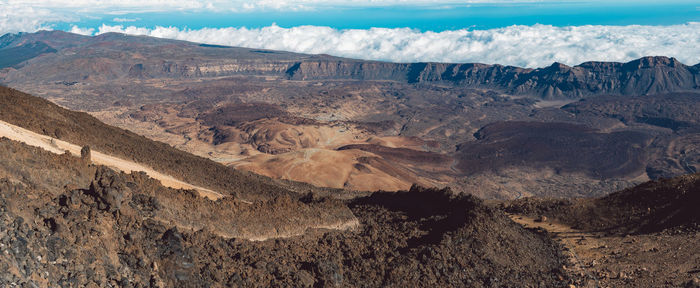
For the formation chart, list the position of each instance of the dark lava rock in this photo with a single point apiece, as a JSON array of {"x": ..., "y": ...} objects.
[
  {"x": 329, "y": 273},
  {"x": 110, "y": 190}
]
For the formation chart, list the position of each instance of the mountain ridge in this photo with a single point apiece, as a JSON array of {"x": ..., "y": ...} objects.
[{"x": 646, "y": 75}]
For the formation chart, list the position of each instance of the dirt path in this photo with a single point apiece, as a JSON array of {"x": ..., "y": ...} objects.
[
  {"x": 59, "y": 147},
  {"x": 581, "y": 247},
  {"x": 643, "y": 260}
]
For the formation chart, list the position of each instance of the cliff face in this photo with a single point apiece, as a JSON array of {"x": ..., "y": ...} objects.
[
  {"x": 648, "y": 75},
  {"x": 189, "y": 69},
  {"x": 61, "y": 56},
  {"x": 333, "y": 69}
]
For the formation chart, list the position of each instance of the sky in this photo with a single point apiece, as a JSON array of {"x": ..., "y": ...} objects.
[{"x": 526, "y": 33}]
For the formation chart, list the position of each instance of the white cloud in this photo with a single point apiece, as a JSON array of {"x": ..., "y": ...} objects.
[
  {"x": 107, "y": 5},
  {"x": 119, "y": 7},
  {"x": 82, "y": 31},
  {"x": 16, "y": 18},
  {"x": 169, "y": 5},
  {"x": 33, "y": 15},
  {"x": 125, "y": 19},
  {"x": 525, "y": 46},
  {"x": 528, "y": 46}
]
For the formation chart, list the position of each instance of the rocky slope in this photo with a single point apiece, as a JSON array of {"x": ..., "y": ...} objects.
[
  {"x": 644, "y": 236},
  {"x": 650, "y": 207},
  {"x": 79, "y": 128},
  {"x": 70, "y": 223},
  {"x": 66, "y": 222}
]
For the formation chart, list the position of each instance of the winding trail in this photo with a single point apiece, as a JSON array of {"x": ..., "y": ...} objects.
[
  {"x": 581, "y": 247},
  {"x": 53, "y": 145}
]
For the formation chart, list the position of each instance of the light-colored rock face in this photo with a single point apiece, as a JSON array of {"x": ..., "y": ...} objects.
[
  {"x": 59, "y": 147},
  {"x": 214, "y": 69}
]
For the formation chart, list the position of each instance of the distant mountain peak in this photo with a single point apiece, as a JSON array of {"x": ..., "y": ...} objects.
[
  {"x": 654, "y": 61},
  {"x": 559, "y": 66}
]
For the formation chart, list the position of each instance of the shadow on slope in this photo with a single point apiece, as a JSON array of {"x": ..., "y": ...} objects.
[
  {"x": 10, "y": 57},
  {"x": 651, "y": 207},
  {"x": 437, "y": 238}
]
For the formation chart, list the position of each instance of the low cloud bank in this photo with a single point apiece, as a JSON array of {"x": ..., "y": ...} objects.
[{"x": 525, "y": 46}]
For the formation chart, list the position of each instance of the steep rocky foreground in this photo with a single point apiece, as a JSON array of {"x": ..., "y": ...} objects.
[
  {"x": 645, "y": 236},
  {"x": 66, "y": 222}
]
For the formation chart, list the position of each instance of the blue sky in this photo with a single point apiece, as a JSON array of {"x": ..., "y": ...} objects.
[
  {"x": 434, "y": 17},
  {"x": 524, "y": 33}
]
